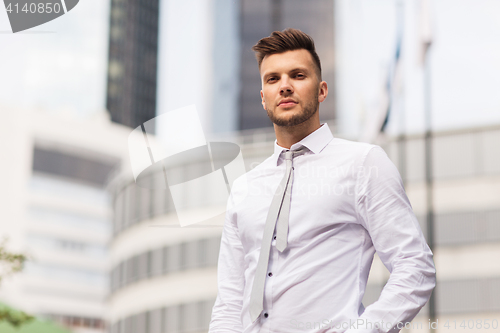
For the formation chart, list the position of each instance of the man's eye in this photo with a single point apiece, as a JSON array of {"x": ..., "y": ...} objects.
[
  {"x": 299, "y": 75},
  {"x": 271, "y": 79}
]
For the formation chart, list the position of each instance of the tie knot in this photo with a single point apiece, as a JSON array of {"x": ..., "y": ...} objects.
[{"x": 289, "y": 154}]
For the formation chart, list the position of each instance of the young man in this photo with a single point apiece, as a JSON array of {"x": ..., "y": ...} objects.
[{"x": 298, "y": 241}]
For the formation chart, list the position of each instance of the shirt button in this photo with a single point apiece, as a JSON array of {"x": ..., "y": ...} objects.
[
  {"x": 270, "y": 274},
  {"x": 274, "y": 237},
  {"x": 266, "y": 315}
]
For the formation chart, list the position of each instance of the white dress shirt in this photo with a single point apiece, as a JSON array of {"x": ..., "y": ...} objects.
[{"x": 347, "y": 203}]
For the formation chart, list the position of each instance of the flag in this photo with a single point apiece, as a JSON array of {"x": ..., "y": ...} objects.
[
  {"x": 425, "y": 27},
  {"x": 378, "y": 117}
]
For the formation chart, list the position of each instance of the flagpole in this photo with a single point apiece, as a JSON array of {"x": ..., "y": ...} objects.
[
  {"x": 428, "y": 174},
  {"x": 428, "y": 137},
  {"x": 401, "y": 139}
]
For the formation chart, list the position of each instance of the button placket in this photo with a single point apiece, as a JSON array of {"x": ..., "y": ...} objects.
[{"x": 268, "y": 289}]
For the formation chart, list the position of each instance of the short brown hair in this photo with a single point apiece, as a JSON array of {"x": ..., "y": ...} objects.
[{"x": 287, "y": 40}]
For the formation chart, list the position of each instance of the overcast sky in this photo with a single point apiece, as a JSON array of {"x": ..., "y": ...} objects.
[{"x": 58, "y": 65}]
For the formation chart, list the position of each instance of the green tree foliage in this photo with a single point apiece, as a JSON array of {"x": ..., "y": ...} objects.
[
  {"x": 14, "y": 317},
  {"x": 11, "y": 263}
]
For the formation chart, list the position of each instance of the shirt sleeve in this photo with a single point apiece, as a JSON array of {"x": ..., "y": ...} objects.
[
  {"x": 226, "y": 313},
  {"x": 386, "y": 213}
]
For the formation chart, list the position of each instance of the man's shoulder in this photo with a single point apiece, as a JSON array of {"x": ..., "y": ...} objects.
[
  {"x": 254, "y": 173},
  {"x": 263, "y": 165},
  {"x": 355, "y": 144},
  {"x": 358, "y": 150}
]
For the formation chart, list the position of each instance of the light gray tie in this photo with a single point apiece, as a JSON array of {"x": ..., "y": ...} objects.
[{"x": 279, "y": 210}]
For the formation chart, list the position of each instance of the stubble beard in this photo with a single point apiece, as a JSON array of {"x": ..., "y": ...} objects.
[{"x": 309, "y": 110}]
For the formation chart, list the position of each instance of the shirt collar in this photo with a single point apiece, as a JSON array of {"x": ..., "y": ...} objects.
[{"x": 315, "y": 142}]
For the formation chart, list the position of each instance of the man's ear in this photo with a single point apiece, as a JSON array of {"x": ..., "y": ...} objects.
[
  {"x": 262, "y": 97},
  {"x": 323, "y": 91}
]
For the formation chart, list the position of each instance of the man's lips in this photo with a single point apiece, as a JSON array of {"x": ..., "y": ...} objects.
[{"x": 285, "y": 104}]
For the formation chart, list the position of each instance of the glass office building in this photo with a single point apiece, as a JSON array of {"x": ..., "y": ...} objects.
[{"x": 132, "y": 67}]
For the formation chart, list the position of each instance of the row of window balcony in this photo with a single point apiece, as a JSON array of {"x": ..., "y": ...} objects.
[{"x": 166, "y": 260}]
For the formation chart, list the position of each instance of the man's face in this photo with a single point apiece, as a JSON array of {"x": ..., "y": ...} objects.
[{"x": 291, "y": 91}]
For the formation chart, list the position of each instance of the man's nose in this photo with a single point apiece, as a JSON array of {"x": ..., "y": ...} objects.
[{"x": 286, "y": 86}]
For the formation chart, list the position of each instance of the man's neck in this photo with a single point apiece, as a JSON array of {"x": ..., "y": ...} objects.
[{"x": 286, "y": 136}]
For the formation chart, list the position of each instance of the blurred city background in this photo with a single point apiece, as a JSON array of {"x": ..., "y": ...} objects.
[{"x": 420, "y": 78}]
